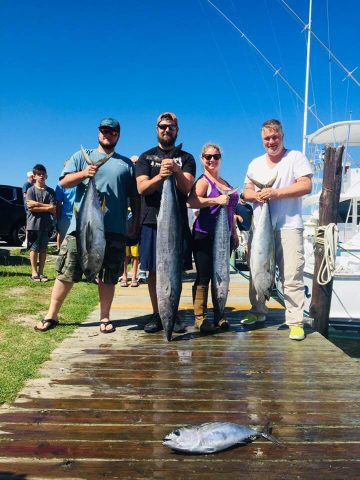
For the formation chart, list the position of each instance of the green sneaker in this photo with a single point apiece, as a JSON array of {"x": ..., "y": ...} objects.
[
  {"x": 251, "y": 318},
  {"x": 297, "y": 333}
]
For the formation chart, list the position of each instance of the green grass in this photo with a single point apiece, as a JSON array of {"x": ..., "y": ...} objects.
[{"x": 22, "y": 304}]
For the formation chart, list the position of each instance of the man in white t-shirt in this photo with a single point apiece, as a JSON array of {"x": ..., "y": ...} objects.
[{"x": 293, "y": 181}]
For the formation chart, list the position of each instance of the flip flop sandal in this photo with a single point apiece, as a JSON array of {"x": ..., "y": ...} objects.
[
  {"x": 123, "y": 283},
  {"x": 105, "y": 324},
  {"x": 48, "y": 324},
  {"x": 134, "y": 283},
  {"x": 35, "y": 278},
  {"x": 44, "y": 278}
]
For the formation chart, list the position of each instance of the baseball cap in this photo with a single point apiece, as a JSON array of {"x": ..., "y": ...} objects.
[
  {"x": 30, "y": 174},
  {"x": 110, "y": 122},
  {"x": 172, "y": 116}
]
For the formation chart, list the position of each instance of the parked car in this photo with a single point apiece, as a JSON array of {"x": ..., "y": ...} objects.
[{"x": 13, "y": 216}]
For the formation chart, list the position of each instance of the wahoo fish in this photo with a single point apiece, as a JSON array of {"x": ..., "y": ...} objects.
[
  {"x": 213, "y": 437},
  {"x": 90, "y": 232},
  {"x": 220, "y": 280},
  {"x": 169, "y": 261},
  {"x": 262, "y": 250}
]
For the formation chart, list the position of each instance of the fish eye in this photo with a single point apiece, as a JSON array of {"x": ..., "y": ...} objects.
[{"x": 177, "y": 433}]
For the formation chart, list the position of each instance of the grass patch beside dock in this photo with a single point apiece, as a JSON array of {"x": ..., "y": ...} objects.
[{"x": 22, "y": 304}]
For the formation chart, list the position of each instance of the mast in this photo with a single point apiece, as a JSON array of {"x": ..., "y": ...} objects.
[{"x": 307, "y": 75}]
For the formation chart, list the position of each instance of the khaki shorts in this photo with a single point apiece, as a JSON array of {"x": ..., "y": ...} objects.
[{"x": 68, "y": 266}]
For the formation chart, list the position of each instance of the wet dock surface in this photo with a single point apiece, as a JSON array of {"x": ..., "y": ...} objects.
[{"x": 104, "y": 403}]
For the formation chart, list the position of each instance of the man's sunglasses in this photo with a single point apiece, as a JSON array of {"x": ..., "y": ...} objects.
[
  {"x": 164, "y": 126},
  {"x": 208, "y": 156},
  {"x": 108, "y": 131}
]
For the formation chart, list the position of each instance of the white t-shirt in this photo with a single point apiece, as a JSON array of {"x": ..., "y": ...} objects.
[{"x": 286, "y": 212}]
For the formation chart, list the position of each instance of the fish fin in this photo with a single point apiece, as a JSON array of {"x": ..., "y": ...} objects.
[
  {"x": 271, "y": 182},
  {"x": 104, "y": 159},
  {"x": 228, "y": 192},
  {"x": 86, "y": 156},
  {"x": 175, "y": 151},
  {"x": 260, "y": 185},
  {"x": 266, "y": 433}
]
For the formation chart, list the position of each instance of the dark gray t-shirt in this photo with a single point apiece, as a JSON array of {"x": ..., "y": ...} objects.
[{"x": 40, "y": 221}]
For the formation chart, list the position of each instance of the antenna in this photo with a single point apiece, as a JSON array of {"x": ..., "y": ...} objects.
[{"x": 307, "y": 74}]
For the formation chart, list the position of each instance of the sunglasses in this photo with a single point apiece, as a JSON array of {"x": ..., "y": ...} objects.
[
  {"x": 208, "y": 156},
  {"x": 108, "y": 131},
  {"x": 164, "y": 126}
]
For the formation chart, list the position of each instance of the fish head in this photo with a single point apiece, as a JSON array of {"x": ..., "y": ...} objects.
[{"x": 183, "y": 439}]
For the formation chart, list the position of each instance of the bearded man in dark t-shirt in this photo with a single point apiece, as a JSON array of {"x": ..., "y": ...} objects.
[{"x": 152, "y": 167}]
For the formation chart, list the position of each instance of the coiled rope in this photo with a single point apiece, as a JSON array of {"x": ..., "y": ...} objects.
[{"x": 327, "y": 236}]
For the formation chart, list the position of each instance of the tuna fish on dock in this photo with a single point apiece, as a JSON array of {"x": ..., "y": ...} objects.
[{"x": 213, "y": 437}]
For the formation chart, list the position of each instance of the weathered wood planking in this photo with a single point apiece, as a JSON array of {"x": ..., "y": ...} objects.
[{"x": 103, "y": 403}]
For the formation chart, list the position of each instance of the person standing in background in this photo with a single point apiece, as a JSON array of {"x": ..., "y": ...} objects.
[{"x": 40, "y": 200}]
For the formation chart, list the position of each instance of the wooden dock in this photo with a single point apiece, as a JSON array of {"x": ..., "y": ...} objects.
[{"x": 103, "y": 403}]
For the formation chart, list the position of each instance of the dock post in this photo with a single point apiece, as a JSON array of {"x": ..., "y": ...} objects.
[{"x": 328, "y": 212}]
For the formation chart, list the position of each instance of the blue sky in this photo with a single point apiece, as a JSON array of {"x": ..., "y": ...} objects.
[{"x": 67, "y": 64}]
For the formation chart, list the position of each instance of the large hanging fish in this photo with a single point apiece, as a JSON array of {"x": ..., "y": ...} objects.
[
  {"x": 220, "y": 280},
  {"x": 169, "y": 244},
  {"x": 90, "y": 226},
  {"x": 262, "y": 250}
]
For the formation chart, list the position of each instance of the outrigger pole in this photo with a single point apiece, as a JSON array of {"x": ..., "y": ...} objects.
[{"x": 307, "y": 75}]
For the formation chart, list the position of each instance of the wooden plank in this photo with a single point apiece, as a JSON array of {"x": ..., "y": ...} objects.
[
  {"x": 124, "y": 428},
  {"x": 180, "y": 468},
  {"x": 41, "y": 406}
]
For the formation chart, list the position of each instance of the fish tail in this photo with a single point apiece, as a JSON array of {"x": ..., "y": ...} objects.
[
  {"x": 228, "y": 192},
  {"x": 260, "y": 185},
  {"x": 266, "y": 433}
]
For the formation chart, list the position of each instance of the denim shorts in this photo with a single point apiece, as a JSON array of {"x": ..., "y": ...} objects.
[
  {"x": 68, "y": 265},
  {"x": 37, "y": 240}
]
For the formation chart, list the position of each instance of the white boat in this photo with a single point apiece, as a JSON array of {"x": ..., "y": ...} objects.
[{"x": 345, "y": 302}]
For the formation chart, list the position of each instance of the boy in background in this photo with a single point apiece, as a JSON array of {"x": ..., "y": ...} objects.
[{"x": 40, "y": 201}]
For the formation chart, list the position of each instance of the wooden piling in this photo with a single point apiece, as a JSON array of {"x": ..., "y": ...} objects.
[{"x": 329, "y": 206}]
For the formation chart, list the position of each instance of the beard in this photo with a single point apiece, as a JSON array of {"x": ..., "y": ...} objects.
[
  {"x": 167, "y": 142},
  {"x": 110, "y": 145}
]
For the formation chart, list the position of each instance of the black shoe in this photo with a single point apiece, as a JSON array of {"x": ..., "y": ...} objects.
[
  {"x": 179, "y": 326},
  {"x": 154, "y": 325}
]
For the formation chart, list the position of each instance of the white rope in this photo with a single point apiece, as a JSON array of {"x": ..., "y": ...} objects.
[{"x": 327, "y": 236}]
